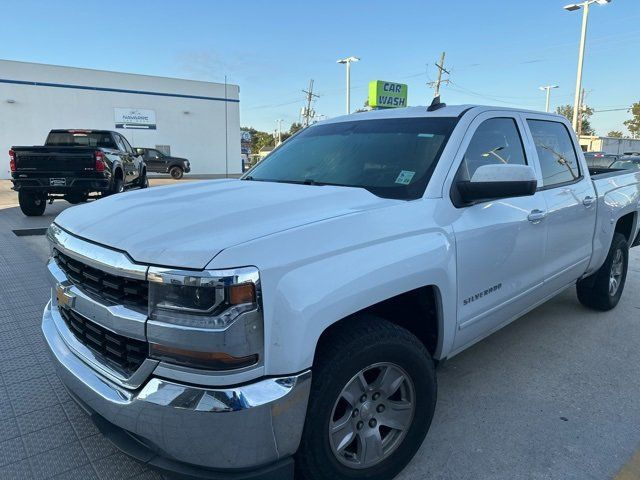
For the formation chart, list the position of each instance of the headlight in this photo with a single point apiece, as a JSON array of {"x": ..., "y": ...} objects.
[
  {"x": 208, "y": 299},
  {"x": 207, "y": 319}
]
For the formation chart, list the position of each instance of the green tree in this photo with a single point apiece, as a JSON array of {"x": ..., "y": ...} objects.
[
  {"x": 295, "y": 127},
  {"x": 615, "y": 134},
  {"x": 633, "y": 125},
  {"x": 365, "y": 108},
  {"x": 567, "y": 111},
  {"x": 259, "y": 139}
]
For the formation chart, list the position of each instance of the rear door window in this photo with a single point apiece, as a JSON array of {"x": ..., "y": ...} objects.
[
  {"x": 556, "y": 153},
  {"x": 118, "y": 140}
]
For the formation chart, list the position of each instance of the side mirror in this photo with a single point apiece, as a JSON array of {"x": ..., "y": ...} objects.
[{"x": 491, "y": 182}]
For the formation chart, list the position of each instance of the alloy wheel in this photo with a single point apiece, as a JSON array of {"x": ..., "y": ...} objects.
[
  {"x": 615, "y": 275},
  {"x": 372, "y": 415}
]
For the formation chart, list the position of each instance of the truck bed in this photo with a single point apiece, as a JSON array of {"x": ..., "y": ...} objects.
[
  {"x": 604, "y": 172},
  {"x": 618, "y": 193}
]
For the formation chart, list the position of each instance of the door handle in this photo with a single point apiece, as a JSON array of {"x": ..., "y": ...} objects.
[
  {"x": 588, "y": 201},
  {"x": 536, "y": 216}
]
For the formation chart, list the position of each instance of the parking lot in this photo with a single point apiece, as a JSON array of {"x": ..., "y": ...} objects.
[{"x": 553, "y": 396}]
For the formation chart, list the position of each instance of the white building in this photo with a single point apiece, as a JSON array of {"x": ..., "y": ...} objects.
[
  {"x": 196, "y": 120},
  {"x": 617, "y": 146}
]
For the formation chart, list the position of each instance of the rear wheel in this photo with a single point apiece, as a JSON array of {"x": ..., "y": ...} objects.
[
  {"x": 32, "y": 204},
  {"x": 143, "y": 181},
  {"x": 369, "y": 416},
  {"x": 117, "y": 186},
  {"x": 176, "y": 172},
  {"x": 603, "y": 289}
]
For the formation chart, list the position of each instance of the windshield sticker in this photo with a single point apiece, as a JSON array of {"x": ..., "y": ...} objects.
[{"x": 405, "y": 177}]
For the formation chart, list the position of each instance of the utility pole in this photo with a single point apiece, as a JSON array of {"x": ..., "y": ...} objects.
[
  {"x": 307, "y": 112},
  {"x": 439, "y": 80},
  {"x": 279, "y": 131}
]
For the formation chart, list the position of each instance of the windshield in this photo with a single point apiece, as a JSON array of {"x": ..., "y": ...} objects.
[
  {"x": 80, "y": 139},
  {"x": 392, "y": 158},
  {"x": 627, "y": 164}
]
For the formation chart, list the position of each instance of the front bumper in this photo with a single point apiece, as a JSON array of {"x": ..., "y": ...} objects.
[{"x": 228, "y": 431}]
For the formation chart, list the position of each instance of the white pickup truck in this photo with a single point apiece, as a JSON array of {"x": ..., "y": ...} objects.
[{"x": 292, "y": 320}]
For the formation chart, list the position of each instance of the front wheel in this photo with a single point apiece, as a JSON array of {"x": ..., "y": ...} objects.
[
  {"x": 176, "y": 173},
  {"x": 32, "y": 204},
  {"x": 372, "y": 400},
  {"x": 602, "y": 290}
]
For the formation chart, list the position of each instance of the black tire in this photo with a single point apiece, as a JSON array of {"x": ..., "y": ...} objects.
[
  {"x": 351, "y": 347},
  {"x": 143, "y": 181},
  {"x": 117, "y": 186},
  {"x": 597, "y": 291},
  {"x": 176, "y": 172},
  {"x": 32, "y": 204}
]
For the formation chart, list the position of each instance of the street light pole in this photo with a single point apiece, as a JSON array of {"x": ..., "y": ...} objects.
[
  {"x": 548, "y": 90},
  {"x": 583, "y": 39},
  {"x": 347, "y": 61}
]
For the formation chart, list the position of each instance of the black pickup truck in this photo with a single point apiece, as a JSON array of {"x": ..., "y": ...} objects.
[
  {"x": 159, "y": 162},
  {"x": 72, "y": 165}
]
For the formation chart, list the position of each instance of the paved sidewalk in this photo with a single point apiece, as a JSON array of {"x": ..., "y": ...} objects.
[{"x": 43, "y": 434}]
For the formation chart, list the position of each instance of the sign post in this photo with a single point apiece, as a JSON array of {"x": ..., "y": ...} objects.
[{"x": 387, "y": 94}]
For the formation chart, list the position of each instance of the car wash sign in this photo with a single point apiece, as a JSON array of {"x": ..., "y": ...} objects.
[
  {"x": 135, "y": 118},
  {"x": 387, "y": 94}
]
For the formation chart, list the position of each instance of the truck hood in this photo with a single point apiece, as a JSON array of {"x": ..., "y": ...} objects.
[{"x": 187, "y": 225}]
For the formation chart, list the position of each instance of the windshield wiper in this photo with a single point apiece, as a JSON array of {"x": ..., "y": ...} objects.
[{"x": 309, "y": 181}]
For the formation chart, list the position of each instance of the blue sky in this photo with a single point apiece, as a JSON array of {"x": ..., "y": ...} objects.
[{"x": 499, "y": 51}]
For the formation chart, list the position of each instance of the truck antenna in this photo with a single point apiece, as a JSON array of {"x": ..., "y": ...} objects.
[{"x": 435, "y": 104}]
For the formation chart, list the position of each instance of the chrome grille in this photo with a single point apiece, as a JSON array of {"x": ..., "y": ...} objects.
[
  {"x": 118, "y": 290},
  {"x": 126, "y": 354}
]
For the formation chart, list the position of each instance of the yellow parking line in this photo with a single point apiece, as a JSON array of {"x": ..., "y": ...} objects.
[{"x": 631, "y": 471}]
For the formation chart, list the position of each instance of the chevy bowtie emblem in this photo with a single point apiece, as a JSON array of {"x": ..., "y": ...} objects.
[{"x": 65, "y": 298}]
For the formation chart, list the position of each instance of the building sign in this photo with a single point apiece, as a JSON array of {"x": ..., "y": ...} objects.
[
  {"x": 136, "y": 118},
  {"x": 387, "y": 94}
]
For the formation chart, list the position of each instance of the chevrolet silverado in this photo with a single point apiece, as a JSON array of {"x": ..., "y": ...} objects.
[{"x": 291, "y": 321}]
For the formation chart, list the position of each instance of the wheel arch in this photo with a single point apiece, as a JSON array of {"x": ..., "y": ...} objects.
[
  {"x": 118, "y": 172},
  {"x": 418, "y": 310},
  {"x": 626, "y": 225}
]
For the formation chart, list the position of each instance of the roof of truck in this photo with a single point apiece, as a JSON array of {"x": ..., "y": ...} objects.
[{"x": 421, "y": 111}]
